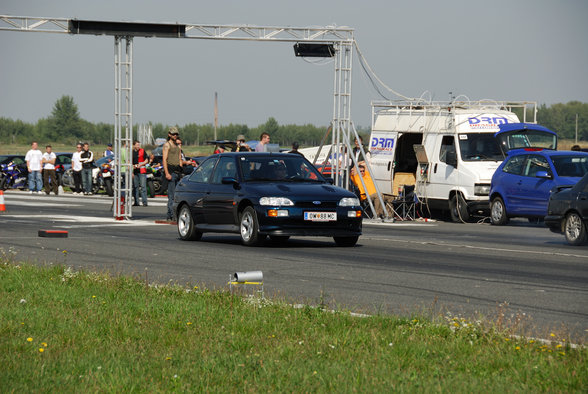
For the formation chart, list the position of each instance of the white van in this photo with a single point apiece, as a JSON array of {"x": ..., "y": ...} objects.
[{"x": 446, "y": 150}]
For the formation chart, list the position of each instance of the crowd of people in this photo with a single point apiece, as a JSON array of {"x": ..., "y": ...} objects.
[{"x": 41, "y": 166}]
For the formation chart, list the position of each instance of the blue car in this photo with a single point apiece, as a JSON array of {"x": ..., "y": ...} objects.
[
  {"x": 257, "y": 195},
  {"x": 521, "y": 185}
]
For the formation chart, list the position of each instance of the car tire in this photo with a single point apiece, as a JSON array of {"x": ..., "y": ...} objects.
[
  {"x": 498, "y": 215},
  {"x": 458, "y": 209},
  {"x": 279, "y": 238},
  {"x": 346, "y": 241},
  {"x": 186, "y": 225},
  {"x": 249, "y": 228},
  {"x": 575, "y": 229},
  {"x": 108, "y": 187}
]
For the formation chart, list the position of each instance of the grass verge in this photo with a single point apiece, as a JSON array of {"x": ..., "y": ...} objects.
[{"x": 81, "y": 331}]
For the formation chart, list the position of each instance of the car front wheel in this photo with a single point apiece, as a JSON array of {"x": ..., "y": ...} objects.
[
  {"x": 249, "y": 228},
  {"x": 498, "y": 212},
  {"x": 186, "y": 226},
  {"x": 575, "y": 229}
]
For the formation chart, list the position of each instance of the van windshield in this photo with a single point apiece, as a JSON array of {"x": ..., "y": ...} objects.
[{"x": 479, "y": 147}]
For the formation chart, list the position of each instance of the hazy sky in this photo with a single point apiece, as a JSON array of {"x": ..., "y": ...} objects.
[{"x": 534, "y": 50}]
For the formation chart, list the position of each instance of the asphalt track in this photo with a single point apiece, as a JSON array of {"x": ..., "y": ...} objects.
[{"x": 517, "y": 274}]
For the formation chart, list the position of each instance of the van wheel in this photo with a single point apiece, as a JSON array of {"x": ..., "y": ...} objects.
[
  {"x": 498, "y": 212},
  {"x": 458, "y": 209},
  {"x": 575, "y": 229}
]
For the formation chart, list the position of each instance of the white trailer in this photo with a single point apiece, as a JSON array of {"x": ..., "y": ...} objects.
[{"x": 446, "y": 150}]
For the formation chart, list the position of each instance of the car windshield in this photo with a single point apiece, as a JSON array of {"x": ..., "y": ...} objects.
[
  {"x": 570, "y": 166},
  {"x": 479, "y": 147},
  {"x": 287, "y": 168}
]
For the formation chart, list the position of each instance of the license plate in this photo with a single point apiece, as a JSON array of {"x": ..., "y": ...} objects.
[
  {"x": 320, "y": 216},
  {"x": 106, "y": 174}
]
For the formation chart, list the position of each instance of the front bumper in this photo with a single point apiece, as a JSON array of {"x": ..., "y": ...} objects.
[
  {"x": 554, "y": 222},
  {"x": 295, "y": 225}
]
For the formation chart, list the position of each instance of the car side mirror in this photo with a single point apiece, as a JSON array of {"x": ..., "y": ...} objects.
[
  {"x": 544, "y": 175},
  {"x": 451, "y": 158},
  {"x": 229, "y": 180}
]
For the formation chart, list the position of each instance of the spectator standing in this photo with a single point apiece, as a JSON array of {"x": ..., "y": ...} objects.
[
  {"x": 242, "y": 145},
  {"x": 172, "y": 167},
  {"x": 183, "y": 157},
  {"x": 87, "y": 159},
  {"x": 108, "y": 151},
  {"x": 76, "y": 166},
  {"x": 33, "y": 159},
  {"x": 264, "y": 139},
  {"x": 295, "y": 147},
  {"x": 49, "y": 178},
  {"x": 140, "y": 159}
]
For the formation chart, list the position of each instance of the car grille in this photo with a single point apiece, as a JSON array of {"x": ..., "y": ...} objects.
[{"x": 310, "y": 204}]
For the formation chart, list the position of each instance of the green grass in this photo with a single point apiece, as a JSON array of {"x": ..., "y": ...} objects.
[{"x": 68, "y": 331}]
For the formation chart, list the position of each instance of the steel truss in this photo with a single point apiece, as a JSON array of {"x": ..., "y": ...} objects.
[{"x": 341, "y": 37}]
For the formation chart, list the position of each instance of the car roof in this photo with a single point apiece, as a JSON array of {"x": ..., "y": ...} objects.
[
  {"x": 546, "y": 152},
  {"x": 272, "y": 154}
]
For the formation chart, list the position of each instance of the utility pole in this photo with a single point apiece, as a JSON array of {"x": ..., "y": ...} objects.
[
  {"x": 215, "y": 114},
  {"x": 576, "y": 128}
]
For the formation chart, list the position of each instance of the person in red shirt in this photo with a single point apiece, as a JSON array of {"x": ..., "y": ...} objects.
[{"x": 140, "y": 159}]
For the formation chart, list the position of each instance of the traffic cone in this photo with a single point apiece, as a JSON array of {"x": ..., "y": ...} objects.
[{"x": 2, "y": 206}]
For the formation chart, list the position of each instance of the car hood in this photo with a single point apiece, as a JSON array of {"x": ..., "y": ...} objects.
[{"x": 297, "y": 190}]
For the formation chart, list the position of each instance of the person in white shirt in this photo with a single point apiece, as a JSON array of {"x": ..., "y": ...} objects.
[
  {"x": 33, "y": 159},
  {"x": 264, "y": 139},
  {"x": 49, "y": 178},
  {"x": 76, "y": 167}
]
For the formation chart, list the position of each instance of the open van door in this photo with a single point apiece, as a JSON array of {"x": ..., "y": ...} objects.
[
  {"x": 382, "y": 150},
  {"x": 525, "y": 136}
]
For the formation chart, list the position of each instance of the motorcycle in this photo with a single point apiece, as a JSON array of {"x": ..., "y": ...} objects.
[
  {"x": 12, "y": 176},
  {"x": 154, "y": 179},
  {"x": 104, "y": 178}
]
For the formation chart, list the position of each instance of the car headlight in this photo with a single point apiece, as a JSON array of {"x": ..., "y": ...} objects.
[
  {"x": 276, "y": 201},
  {"x": 481, "y": 190},
  {"x": 349, "y": 202}
]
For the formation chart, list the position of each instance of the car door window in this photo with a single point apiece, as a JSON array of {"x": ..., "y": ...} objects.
[
  {"x": 447, "y": 145},
  {"x": 535, "y": 164},
  {"x": 225, "y": 168},
  {"x": 203, "y": 173},
  {"x": 515, "y": 165}
]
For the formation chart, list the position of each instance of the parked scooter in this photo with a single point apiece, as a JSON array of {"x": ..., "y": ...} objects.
[{"x": 12, "y": 176}]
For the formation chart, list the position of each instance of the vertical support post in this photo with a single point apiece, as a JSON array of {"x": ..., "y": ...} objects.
[
  {"x": 342, "y": 112},
  {"x": 123, "y": 127}
]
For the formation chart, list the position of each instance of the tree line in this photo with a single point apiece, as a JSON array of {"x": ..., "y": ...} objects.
[{"x": 65, "y": 125}]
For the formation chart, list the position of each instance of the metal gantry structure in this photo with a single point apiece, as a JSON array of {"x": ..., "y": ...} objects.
[{"x": 341, "y": 38}]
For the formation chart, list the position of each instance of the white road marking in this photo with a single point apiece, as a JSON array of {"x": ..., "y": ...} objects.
[{"x": 103, "y": 221}]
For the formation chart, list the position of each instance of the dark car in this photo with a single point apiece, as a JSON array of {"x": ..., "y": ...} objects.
[
  {"x": 568, "y": 212},
  {"x": 521, "y": 184},
  {"x": 264, "y": 194}
]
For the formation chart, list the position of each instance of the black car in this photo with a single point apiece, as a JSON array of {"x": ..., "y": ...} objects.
[
  {"x": 568, "y": 212},
  {"x": 264, "y": 194}
]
